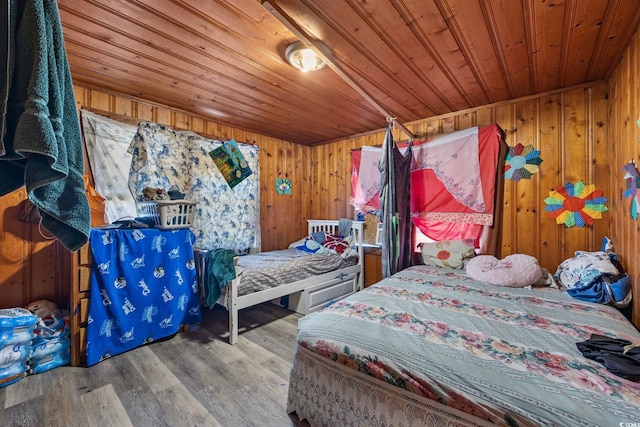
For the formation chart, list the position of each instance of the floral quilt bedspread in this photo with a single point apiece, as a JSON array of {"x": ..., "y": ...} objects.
[{"x": 508, "y": 356}]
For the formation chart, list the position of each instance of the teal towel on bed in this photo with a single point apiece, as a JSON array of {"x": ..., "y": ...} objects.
[
  {"x": 220, "y": 271},
  {"x": 41, "y": 142}
]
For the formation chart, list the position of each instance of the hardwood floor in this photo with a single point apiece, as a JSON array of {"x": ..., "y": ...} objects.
[{"x": 193, "y": 379}]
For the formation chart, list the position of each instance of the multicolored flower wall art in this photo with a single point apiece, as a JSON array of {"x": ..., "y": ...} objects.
[
  {"x": 632, "y": 179},
  {"x": 521, "y": 162},
  {"x": 575, "y": 204},
  {"x": 283, "y": 186}
]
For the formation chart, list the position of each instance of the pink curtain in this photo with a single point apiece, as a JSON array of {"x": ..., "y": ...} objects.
[
  {"x": 434, "y": 209},
  {"x": 365, "y": 179}
]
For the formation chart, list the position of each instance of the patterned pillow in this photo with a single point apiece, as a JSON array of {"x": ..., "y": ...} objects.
[
  {"x": 336, "y": 243},
  {"x": 447, "y": 253},
  {"x": 514, "y": 271},
  {"x": 584, "y": 268}
]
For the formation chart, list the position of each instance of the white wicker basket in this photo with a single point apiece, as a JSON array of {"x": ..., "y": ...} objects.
[{"x": 168, "y": 214}]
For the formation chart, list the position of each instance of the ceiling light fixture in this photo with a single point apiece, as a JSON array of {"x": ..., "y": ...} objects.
[
  {"x": 303, "y": 58},
  {"x": 286, "y": 20}
]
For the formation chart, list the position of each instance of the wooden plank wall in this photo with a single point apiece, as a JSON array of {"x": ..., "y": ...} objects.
[
  {"x": 572, "y": 128},
  {"x": 569, "y": 128},
  {"x": 624, "y": 134},
  {"x": 32, "y": 267},
  {"x": 29, "y": 268},
  {"x": 283, "y": 217}
]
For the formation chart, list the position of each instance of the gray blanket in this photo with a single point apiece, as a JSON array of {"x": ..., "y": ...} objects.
[{"x": 266, "y": 270}]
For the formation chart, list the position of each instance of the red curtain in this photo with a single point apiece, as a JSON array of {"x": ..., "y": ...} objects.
[{"x": 429, "y": 195}]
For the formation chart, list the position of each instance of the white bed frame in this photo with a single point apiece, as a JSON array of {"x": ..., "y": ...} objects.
[{"x": 316, "y": 292}]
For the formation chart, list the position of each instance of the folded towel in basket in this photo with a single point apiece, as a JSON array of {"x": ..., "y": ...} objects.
[{"x": 220, "y": 271}]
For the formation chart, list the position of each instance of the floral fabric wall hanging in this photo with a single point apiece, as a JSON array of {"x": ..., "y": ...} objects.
[
  {"x": 225, "y": 217},
  {"x": 521, "y": 162},
  {"x": 575, "y": 204},
  {"x": 366, "y": 179},
  {"x": 632, "y": 179}
]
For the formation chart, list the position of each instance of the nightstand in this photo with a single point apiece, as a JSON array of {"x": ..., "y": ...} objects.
[{"x": 372, "y": 265}]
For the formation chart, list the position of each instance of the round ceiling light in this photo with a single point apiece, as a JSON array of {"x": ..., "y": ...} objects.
[{"x": 303, "y": 57}]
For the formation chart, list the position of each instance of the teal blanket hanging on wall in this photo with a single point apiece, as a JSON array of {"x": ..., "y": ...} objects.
[{"x": 41, "y": 143}]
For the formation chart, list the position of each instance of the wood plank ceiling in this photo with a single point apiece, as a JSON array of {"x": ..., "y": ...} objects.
[{"x": 224, "y": 59}]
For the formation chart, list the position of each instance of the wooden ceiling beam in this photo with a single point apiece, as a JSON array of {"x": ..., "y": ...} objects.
[{"x": 322, "y": 52}]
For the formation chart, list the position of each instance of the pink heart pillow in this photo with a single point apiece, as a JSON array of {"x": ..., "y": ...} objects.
[{"x": 514, "y": 271}]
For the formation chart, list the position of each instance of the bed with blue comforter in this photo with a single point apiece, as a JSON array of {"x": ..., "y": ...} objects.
[{"x": 431, "y": 346}]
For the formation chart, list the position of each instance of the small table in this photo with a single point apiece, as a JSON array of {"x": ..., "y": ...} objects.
[{"x": 143, "y": 288}]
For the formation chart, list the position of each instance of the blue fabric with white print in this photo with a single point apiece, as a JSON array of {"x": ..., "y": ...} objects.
[{"x": 143, "y": 288}]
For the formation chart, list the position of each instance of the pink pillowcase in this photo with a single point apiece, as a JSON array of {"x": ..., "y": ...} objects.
[{"x": 514, "y": 271}]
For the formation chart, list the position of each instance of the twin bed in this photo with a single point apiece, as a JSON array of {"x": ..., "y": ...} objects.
[
  {"x": 309, "y": 281},
  {"x": 431, "y": 346}
]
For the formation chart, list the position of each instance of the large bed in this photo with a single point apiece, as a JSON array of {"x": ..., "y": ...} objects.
[
  {"x": 308, "y": 281},
  {"x": 431, "y": 346}
]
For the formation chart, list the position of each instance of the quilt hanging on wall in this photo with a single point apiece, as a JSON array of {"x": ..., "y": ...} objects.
[
  {"x": 107, "y": 142},
  {"x": 632, "y": 182},
  {"x": 453, "y": 183},
  {"x": 225, "y": 217},
  {"x": 365, "y": 179}
]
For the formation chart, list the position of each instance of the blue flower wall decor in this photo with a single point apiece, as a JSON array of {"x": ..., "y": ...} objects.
[{"x": 521, "y": 162}]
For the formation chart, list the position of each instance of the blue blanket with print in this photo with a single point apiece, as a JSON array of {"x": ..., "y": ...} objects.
[{"x": 143, "y": 288}]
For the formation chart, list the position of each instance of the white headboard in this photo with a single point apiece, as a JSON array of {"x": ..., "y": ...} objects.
[{"x": 357, "y": 231}]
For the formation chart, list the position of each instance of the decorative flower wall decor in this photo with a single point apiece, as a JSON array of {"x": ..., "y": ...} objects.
[
  {"x": 575, "y": 204},
  {"x": 632, "y": 179},
  {"x": 283, "y": 186},
  {"x": 521, "y": 162}
]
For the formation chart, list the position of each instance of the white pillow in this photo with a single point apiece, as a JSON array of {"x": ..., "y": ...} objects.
[{"x": 447, "y": 253}]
